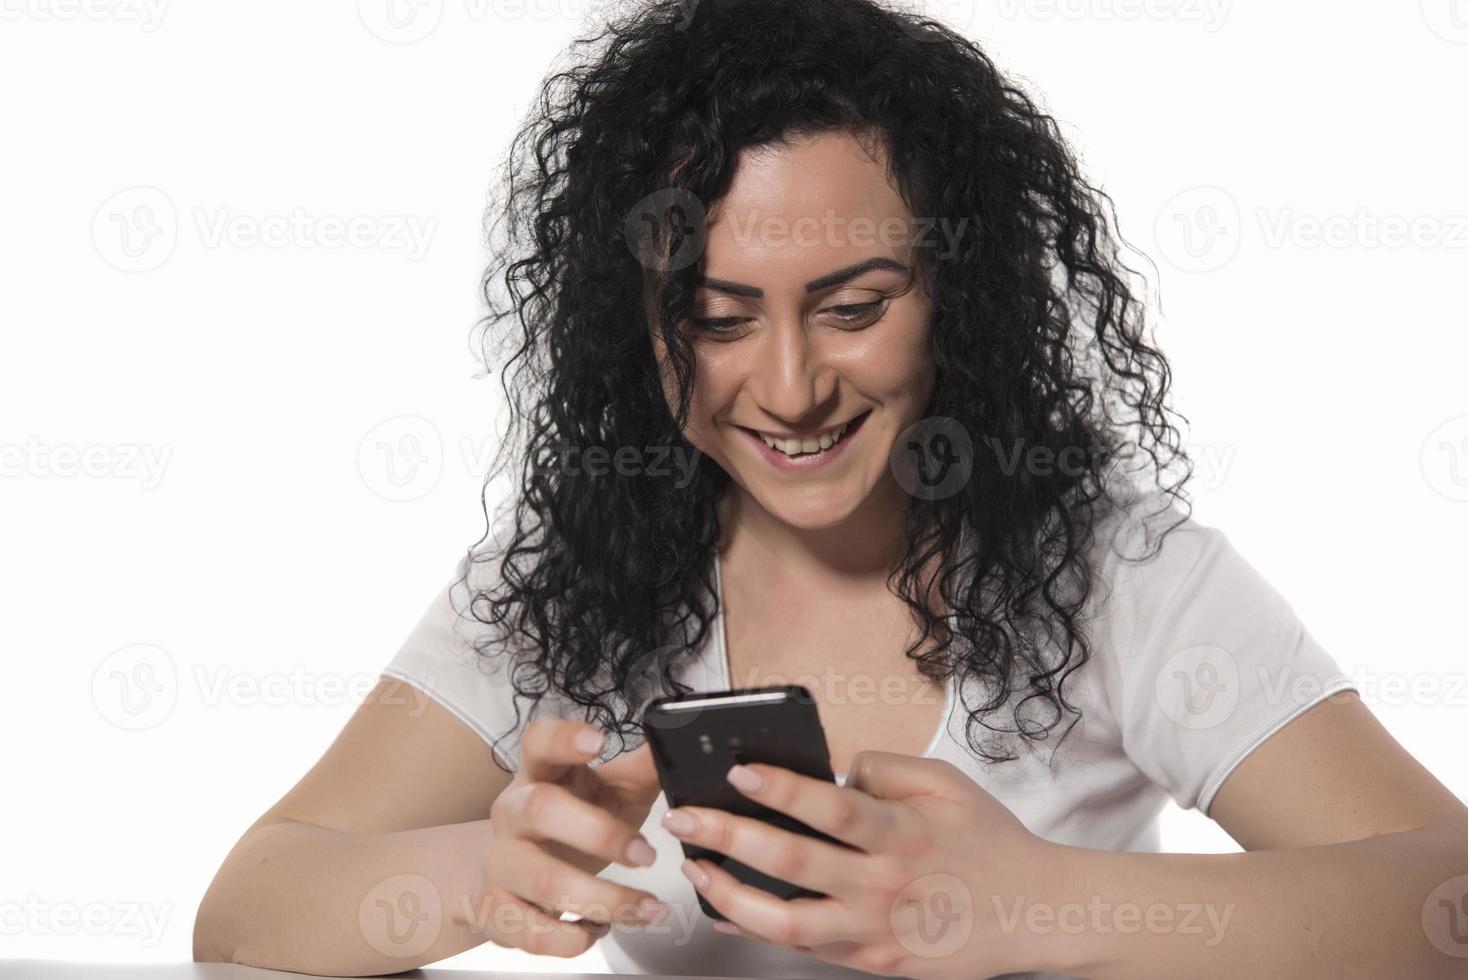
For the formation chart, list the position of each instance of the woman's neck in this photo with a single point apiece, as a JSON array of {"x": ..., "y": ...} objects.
[{"x": 860, "y": 552}]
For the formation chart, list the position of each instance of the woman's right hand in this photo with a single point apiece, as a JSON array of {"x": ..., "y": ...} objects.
[{"x": 558, "y": 823}]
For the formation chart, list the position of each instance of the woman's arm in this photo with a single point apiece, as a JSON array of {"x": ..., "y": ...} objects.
[
  {"x": 1353, "y": 848},
  {"x": 395, "y": 809}
]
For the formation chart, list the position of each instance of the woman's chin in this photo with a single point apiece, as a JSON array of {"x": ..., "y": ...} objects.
[{"x": 816, "y": 509}]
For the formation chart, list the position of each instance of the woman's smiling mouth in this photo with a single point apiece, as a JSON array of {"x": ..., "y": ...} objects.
[{"x": 805, "y": 451}]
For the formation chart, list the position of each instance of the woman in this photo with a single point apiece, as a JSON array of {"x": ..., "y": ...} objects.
[{"x": 824, "y": 367}]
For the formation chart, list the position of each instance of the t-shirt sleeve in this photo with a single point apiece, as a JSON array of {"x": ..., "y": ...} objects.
[
  {"x": 1210, "y": 659},
  {"x": 439, "y": 658}
]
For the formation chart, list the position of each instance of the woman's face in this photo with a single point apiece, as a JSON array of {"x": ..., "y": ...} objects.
[{"x": 809, "y": 330}]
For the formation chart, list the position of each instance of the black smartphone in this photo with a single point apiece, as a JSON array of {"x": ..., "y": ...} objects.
[{"x": 696, "y": 738}]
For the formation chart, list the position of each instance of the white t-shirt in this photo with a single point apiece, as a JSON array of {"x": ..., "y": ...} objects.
[{"x": 1196, "y": 660}]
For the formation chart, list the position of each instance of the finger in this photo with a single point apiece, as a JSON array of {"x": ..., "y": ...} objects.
[
  {"x": 794, "y": 857},
  {"x": 512, "y": 922},
  {"x": 791, "y": 922},
  {"x": 550, "y": 812},
  {"x": 528, "y": 872},
  {"x": 893, "y": 776},
  {"x": 633, "y": 774},
  {"x": 550, "y": 746},
  {"x": 843, "y": 812}
]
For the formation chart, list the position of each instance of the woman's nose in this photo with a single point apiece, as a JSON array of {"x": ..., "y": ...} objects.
[{"x": 790, "y": 380}]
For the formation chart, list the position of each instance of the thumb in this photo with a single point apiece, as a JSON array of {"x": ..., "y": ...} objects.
[{"x": 894, "y": 776}]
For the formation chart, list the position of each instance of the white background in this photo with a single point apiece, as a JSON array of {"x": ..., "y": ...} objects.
[{"x": 284, "y": 439}]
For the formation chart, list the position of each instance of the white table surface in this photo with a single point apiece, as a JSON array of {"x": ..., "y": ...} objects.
[{"x": 61, "y": 970}]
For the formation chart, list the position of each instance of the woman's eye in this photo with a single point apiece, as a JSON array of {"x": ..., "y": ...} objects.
[
  {"x": 852, "y": 313},
  {"x": 721, "y": 324}
]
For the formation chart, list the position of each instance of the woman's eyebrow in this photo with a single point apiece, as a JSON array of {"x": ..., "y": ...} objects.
[{"x": 831, "y": 279}]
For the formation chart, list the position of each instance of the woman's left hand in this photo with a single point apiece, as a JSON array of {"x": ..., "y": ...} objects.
[{"x": 913, "y": 895}]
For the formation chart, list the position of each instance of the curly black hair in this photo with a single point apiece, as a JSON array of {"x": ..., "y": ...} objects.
[{"x": 605, "y": 582}]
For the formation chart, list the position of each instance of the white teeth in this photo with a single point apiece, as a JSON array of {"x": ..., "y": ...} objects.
[{"x": 792, "y": 447}]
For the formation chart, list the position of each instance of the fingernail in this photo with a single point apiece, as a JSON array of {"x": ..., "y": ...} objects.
[
  {"x": 746, "y": 779},
  {"x": 651, "y": 912},
  {"x": 726, "y": 927},
  {"x": 589, "y": 741},
  {"x": 680, "y": 822},
  {"x": 639, "y": 853},
  {"x": 694, "y": 874}
]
